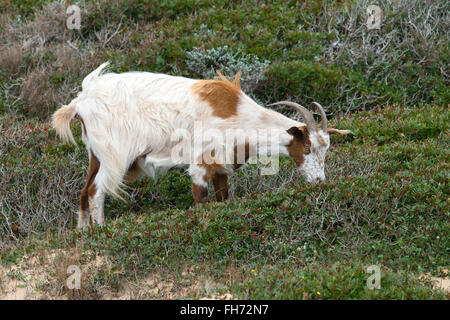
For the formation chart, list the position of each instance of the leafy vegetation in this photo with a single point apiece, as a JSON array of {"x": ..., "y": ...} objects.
[
  {"x": 318, "y": 50},
  {"x": 385, "y": 201}
]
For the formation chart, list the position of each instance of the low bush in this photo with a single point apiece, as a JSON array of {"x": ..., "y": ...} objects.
[
  {"x": 386, "y": 198},
  {"x": 319, "y": 51},
  {"x": 224, "y": 59}
]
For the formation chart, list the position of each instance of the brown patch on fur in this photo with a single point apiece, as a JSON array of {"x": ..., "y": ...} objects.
[
  {"x": 300, "y": 144},
  {"x": 200, "y": 193},
  {"x": 211, "y": 168},
  {"x": 133, "y": 172},
  {"x": 220, "y": 182},
  {"x": 214, "y": 172},
  {"x": 92, "y": 190},
  {"x": 222, "y": 95},
  {"x": 89, "y": 188}
]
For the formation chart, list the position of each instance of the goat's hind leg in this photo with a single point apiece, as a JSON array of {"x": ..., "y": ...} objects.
[
  {"x": 83, "y": 216},
  {"x": 96, "y": 202},
  {"x": 96, "y": 192}
]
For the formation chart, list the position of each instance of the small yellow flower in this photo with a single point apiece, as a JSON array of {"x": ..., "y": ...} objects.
[
  {"x": 253, "y": 270},
  {"x": 318, "y": 293}
]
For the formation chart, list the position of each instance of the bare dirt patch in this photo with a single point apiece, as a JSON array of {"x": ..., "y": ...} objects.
[
  {"x": 442, "y": 283},
  {"x": 44, "y": 276}
]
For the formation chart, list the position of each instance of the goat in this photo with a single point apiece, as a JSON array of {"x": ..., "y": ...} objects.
[{"x": 129, "y": 121}]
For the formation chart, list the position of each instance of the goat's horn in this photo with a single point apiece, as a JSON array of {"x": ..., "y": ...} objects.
[
  {"x": 306, "y": 114},
  {"x": 323, "y": 115}
]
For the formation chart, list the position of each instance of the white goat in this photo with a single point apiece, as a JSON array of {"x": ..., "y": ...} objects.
[{"x": 130, "y": 121}]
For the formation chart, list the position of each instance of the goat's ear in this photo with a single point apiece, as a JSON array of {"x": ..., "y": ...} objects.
[
  {"x": 332, "y": 130},
  {"x": 297, "y": 132}
]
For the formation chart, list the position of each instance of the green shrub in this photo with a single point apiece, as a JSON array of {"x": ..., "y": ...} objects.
[
  {"x": 224, "y": 59},
  {"x": 303, "y": 82},
  {"x": 319, "y": 51}
]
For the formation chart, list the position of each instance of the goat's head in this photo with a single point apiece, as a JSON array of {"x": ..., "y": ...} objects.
[{"x": 310, "y": 143}]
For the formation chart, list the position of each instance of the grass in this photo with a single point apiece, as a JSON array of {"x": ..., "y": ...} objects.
[
  {"x": 385, "y": 201},
  {"x": 317, "y": 50}
]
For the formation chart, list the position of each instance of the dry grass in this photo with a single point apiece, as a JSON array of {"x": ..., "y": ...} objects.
[
  {"x": 37, "y": 93},
  {"x": 48, "y": 86},
  {"x": 51, "y": 59},
  {"x": 411, "y": 27},
  {"x": 11, "y": 59},
  {"x": 411, "y": 32},
  {"x": 49, "y": 26},
  {"x": 58, "y": 284},
  {"x": 249, "y": 178},
  {"x": 36, "y": 192},
  {"x": 5, "y": 21}
]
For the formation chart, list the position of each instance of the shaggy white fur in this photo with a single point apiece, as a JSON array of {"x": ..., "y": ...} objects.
[{"x": 134, "y": 115}]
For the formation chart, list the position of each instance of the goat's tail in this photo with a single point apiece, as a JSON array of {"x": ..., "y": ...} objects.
[
  {"x": 93, "y": 75},
  {"x": 61, "y": 122}
]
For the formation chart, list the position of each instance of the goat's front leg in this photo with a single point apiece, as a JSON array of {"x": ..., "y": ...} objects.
[
  {"x": 200, "y": 193},
  {"x": 220, "y": 181},
  {"x": 199, "y": 176}
]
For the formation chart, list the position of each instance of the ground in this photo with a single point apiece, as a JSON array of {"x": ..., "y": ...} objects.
[{"x": 385, "y": 201}]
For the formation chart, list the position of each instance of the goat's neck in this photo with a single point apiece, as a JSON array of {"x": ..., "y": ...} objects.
[{"x": 266, "y": 131}]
